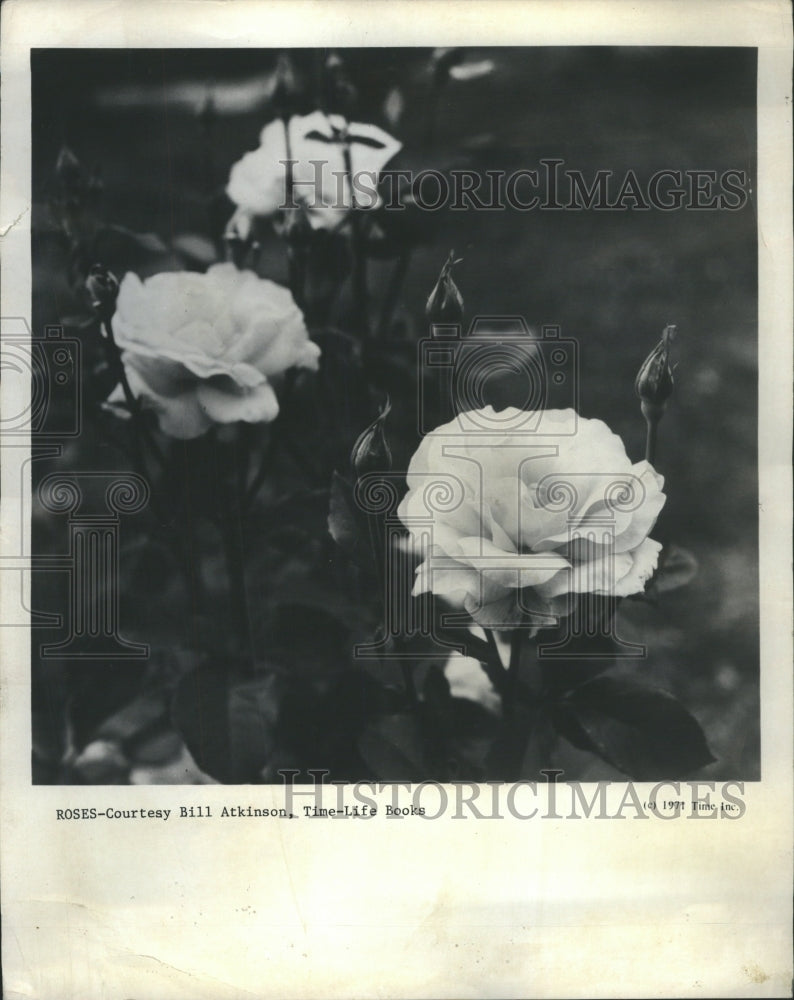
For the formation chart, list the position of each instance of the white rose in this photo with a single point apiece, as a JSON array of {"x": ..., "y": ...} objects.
[
  {"x": 202, "y": 349},
  {"x": 510, "y": 543},
  {"x": 258, "y": 182}
]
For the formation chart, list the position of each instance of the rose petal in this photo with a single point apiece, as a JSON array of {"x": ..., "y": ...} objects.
[
  {"x": 226, "y": 405},
  {"x": 645, "y": 559},
  {"x": 179, "y": 416}
]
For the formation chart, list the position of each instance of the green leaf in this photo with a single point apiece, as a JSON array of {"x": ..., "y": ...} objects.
[
  {"x": 644, "y": 732},
  {"x": 227, "y": 722}
]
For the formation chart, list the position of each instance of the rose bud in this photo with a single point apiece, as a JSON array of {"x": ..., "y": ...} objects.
[
  {"x": 103, "y": 289},
  {"x": 371, "y": 452},
  {"x": 445, "y": 304},
  {"x": 654, "y": 382}
]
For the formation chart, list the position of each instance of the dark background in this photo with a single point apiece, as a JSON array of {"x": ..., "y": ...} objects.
[{"x": 612, "y": 280}]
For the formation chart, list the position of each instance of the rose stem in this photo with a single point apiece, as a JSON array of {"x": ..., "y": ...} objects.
[
  {"x": 141, "y": 430},
  {"x": 431, "y": 111},
  {"x": 296, "y": 261},
  {"x": 192, "y": 552},
  {"x": 184, "y": 545},
  {"x": 279, "y": 435},
  {"x": 653, "y": 413},
  {"x": 396, "y": 280},
  {"x": 410, "y": 688},
  {"x": 232, "y": 532},
  {"x": 494, "y": 667},
  {"x": 650, "y": 440},
  {"x": 360, "y": 295},
  {"x": 516, "y": 641},
  {"x": 296, "y": 255}
]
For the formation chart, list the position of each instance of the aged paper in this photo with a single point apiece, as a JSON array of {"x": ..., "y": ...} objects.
[{"x": 190, "y": 805}]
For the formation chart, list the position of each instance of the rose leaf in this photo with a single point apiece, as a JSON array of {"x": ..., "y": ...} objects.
[
  {"x": 393, "y": 747},
  {"x": 346, "y": 522},
  {"x": 676, "y": 568},
  {"x": 644, "y": 732},
  {"x": 228, "y": 723}
]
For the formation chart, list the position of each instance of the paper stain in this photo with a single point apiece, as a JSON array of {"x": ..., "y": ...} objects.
[{"x": 755, "y": 973}]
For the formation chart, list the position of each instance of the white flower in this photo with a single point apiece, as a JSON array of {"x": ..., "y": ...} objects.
[
  {"x": 539, "y": 518},
  {"x": 202, "y": 349},
  {"x": 316, "y": 145}
]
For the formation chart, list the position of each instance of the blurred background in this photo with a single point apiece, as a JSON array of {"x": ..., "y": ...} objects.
[{"x": 162, "y": 129}]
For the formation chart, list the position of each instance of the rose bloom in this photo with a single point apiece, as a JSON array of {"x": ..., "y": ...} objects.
[
  {"x": 258, "y": 182},
  {"x": 510, "y": 533},
  {"x": 203, "y": 349}
]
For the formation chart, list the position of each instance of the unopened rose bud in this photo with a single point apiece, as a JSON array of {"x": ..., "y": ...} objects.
[
  {"x": 654, "y": 386},
  {"x": 445, "y": 304},
  {"x": 371, "y": 452},
  {"x": 103, "y": 289},
  {"x": 654, "y": 382}
]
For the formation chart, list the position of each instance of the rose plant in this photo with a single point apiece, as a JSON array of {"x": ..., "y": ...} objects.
[{"x": 360, "y": 625}]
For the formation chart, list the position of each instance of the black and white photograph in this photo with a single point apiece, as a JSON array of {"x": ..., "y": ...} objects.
[
  {"x": 415, "y": 405},
  {"x": 396, "y": 460}
]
